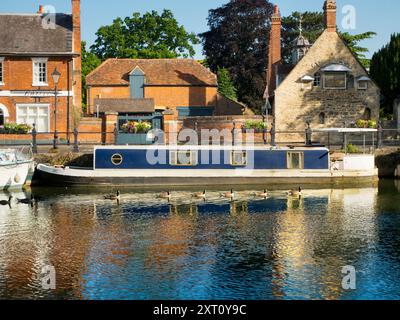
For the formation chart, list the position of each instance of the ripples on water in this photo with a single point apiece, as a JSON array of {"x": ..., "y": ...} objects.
[{"x": 145, "y": 248}]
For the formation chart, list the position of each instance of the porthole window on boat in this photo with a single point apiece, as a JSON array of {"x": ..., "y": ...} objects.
[
  {"x": 116, "y": 159},
  {"x": 295, "y": 160},
  {"x": 239, "y": 158},
  {"x": 183, "y": 158}
]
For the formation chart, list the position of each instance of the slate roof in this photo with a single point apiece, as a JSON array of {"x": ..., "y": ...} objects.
[
  {"x": 125, "y": 105},
  {"x": 25, "y": 34},
  {"x": 158, "y": 72}
]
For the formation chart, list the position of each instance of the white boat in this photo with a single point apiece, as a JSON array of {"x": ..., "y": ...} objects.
[{"x": 15, "y": 166}]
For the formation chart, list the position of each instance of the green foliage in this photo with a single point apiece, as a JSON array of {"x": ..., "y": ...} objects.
[
  {"x": 255, "y": 125},
  {"x": 226, "y": 86},
  {"x": 13, "y": 128},
  {"x": 352, "y": 148},
  {"x": 89, "y": 62},
  {"x": 385, "y": 70},
  {"x": 313, "y": 26},
  {"x": 372, "y": 124},
  {"x": 149, "y": 36},
  {"x": 237, "y": 40}
]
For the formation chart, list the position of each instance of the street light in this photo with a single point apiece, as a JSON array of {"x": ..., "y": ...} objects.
[{"x": 56, "y": 78}]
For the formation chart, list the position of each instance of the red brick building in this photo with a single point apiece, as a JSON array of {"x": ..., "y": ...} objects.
[
  {"x": 32, "y": 46},
  {"x": 182, "y": 86}
]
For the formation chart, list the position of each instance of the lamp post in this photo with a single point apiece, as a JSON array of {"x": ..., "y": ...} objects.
[{"x": 56, "y": 78}]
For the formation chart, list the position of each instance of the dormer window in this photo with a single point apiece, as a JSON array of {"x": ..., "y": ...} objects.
[
  {"x": 335, "y": 80},
  {"x": 335, "y": 76},
  {"x": 137, "y": 82},
  {"x": 362, "y": 83}
]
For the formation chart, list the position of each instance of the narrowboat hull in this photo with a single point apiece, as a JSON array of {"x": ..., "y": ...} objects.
[{"x": 69, "y": 177}]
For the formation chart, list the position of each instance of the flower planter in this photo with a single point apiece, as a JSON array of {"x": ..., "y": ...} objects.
[{"x": 134, "y": 139}]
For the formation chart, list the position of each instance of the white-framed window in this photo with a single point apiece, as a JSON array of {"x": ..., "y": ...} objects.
[
  {"x": 183, "y": 158},
  {"x": 335, "y": 80},
  {"x": 1, "y": 71},
  {"x": 239, "y": 158},
  {"x": 362, "y": 85},
  {"x": 295, "y": 160},
  {"x": 37, "y": 114},
  {"x": 317, "y": 79},
  {"x": 39, "y": 71}
]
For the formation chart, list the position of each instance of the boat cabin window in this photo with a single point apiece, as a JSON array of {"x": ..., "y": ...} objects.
[
  {"x": 295, "y": 160},
  {"x": 183, "y": 158},
  {"x": 116, "y": 159},
  {"x": 239, "y": 158}
]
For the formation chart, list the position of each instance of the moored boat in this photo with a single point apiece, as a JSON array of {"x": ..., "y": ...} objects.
[
  {"x": 15, "y": 166},
  {"x": 143, "y": 166}
]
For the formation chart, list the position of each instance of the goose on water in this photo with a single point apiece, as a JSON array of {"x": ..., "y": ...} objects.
[
  {"x": 228, "y": 195},
  {"x": 165, "y": 195},
  {"x": 263, "y": 194},
  {"x": 295, "y": 193},
  {"x": 113, "y": 197},
  {"x": 27, "y": 200},
  {"x": 200, "y": 195},
  {"x": 6, "y": 202}
]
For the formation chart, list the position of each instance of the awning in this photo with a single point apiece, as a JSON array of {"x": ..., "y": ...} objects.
[
  {"x": 124, "y": 105},
  {"x": 363, "y": 78},
  {"x": 307, "y": 79},
  {"x": 335, "y": 67}
]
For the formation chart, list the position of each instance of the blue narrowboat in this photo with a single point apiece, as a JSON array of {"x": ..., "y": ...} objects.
[{"x": 169, "y": 165}]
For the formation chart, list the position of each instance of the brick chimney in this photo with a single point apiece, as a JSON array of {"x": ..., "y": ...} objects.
[
  {"x": 77, "y": 62},
  {"x": 41, "y": 10},
  {"x": 330, "y": 15},
  {"x": 275, "y": 56}
]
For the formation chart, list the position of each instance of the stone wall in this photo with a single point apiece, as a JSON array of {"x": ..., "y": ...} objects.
[{"x": 296, "y": 102}]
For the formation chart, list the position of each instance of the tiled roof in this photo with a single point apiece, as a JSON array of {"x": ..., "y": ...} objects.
[
  {"x": 21, "y": 34},
  {"x": 157, "y": 71},
  {"x": 125, "y": 105}
]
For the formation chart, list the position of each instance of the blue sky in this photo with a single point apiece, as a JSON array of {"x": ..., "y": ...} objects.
[{"x": 379, "y": 16}]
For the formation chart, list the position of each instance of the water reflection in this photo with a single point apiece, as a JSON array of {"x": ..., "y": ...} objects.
[{"x": 144, "y": 248}]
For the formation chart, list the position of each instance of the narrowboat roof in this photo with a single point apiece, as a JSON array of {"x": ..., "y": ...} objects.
[{"x": 207, "y": 147}]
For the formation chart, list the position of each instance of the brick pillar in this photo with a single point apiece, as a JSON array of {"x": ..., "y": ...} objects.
[
  {"x": 330, "y": 15},
  {"x": 77, "y": 61},
  {"x": 110, "y": 121},
  {"x": 171, "y": 126},
  {"x": 275, "y": 55}
]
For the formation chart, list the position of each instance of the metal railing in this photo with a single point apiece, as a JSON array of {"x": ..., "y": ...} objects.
[{"x": 309, "y": 137}]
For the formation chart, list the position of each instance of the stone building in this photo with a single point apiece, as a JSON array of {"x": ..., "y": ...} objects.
[
  {"x": 326, "y": 85},
  {"x": 32, "y": 47}
]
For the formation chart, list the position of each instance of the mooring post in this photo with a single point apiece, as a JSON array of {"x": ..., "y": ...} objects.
[
  {"x": 34, "y": 141},
  {"x": 380, "y": 134},
  {"x": 76, "y": 143},
  {"x": 308, "y": 135},
  {"x": 234, "y": 133},
  {"x": 115, "y": 134},
  {"x": 273, "y": 132}
]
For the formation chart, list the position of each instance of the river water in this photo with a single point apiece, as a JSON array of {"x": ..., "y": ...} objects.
[{"x": 147, "y": 248}]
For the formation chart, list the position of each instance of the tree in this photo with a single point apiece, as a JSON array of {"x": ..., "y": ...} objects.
[
  {"x": 149, "y": 36},
  {"x": 89, "y": 62},
  {"x": 313, "y": 26},
  {"x": 226, "y": 86},
  {"x": 237, "y": 40},
  {"x": 385, "y": 70}
]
